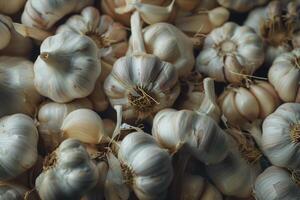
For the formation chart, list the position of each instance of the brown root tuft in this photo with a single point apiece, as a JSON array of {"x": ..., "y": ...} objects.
[
  {"x": 50, "y": 161},
  {"x": 295, "y": 133}
]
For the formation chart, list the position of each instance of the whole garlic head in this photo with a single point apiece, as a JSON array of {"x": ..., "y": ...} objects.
[
  {"x": 17, "y": 91},
  {"x": 109, "y": 36},
  {"x": 11, "y": 7},
  {"x": 68, "y": 173},
  {"x": 229, "y": 51},
  {"x": 67, "y": 67},
  {"x": 281, "y": 136},
  {"x": 44, "y": 14},
  {"x": 284, "y": 75},
  {"x": 11, "y": 191},
  {"x": 18, "y": 145},
  {"x": 241, "y": 5}
]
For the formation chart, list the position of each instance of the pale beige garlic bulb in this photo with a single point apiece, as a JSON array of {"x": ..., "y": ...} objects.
[
  {"x": 17, "y": 91},
  {"x": 228, "y": 50},
  {"x": 276, "y": 183},
  {"x": 141, "y": 83},
  {"x": 18, "y": 145},
  {"x": 50, "y": 118},
  {"x": 248, "y": 102},
  {"x": 236, "y": 174},
  {"x": 44, "y": 14},
  {"x": 12, "y": 191},
  {"x": 11, "y": 7},
  {"x": 281, "y": 136},
  {"x": 284, "y": 75},
  {"x": 241, "y": 5},
  {"x": 109, "y": 36},
  {"x": 68, "y": 173},
  {"x": 67, "y": 67}
]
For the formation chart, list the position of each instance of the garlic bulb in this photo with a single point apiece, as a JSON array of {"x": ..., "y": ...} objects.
[
  {"x": 10, "y": 191},
  {"x": 141, "y": 83},
  {"x": 146, "y": 168},
  {"x": 197, "y": 188},
  {"x": 11, "y": 7},
  {"x": 241, "y": 5},
  {"x": 246, "y": 103},
  {"x": 70, "y": 63},
  {"x": 84, "y": 125},
  {"x": 17, "y": 91},
  {"x": 68, "y": 173},
  {"x": 281, "y": 136},
  {"x": 18, "y": 145},
  {"x": 98, "y": 97},
  {"x": 109, "y": 36},
  {"x": 275, "y": 183},
  {"x": 228, "y": 50},
  {"x": 202, "y": 136},
  {"x": 169, "y": 44},
  {"x": 44, "y": 14},
  {"x": 284, "y": 75},
  {"x": 235, "y": 175},
  {"x": 50, "y": 118}
]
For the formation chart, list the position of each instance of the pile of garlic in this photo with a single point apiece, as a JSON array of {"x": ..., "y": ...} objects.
[{"x": 150, "y": 99}]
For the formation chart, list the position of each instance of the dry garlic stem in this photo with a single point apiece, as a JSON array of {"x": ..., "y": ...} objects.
[
  {"x": 241, "y": 5},
  {"x": 228, "y": 50}
]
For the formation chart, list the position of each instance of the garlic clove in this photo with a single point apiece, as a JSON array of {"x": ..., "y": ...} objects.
[{"x": 4, "y": 32}]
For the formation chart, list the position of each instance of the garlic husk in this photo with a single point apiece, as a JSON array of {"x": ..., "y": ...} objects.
[
  {"x": 280, "y": 138},
  {"x": 50, "y": 118},
  {"x": 68, "y": 173},
  {"x": 98, "y": 97},
  {"x": 275, "y": 183},
  {"x": 11, "y": 191},
  {"x": 218, "y": 58},
  {"x": 11, "y": 7},
  {"x": 70, "y": 62},
  {"x": 17, "y": 91},
  {"x": 284, "y": 75},
  {"x": 202, "y": 136},
  {"x": 18, "y": 142},
  {"x": 44, "y": 14},
  {"x": 241, "y": 5},
  {"x": 84, "y": 125}
]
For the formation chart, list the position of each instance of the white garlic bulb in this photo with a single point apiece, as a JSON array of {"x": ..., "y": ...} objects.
[
  {"x": 68, "y": 173},
  {"x": 241, "y": 5},
  {"x": 11, "y": 191},
  {"x": 109, "y": 36},
  {"x": 275, "y": 183},
  {"x": 284, "y": 75},
  {"x": 228, "y": 50},
  {"x": 281, "y": 136},
  {"x": 203, "y": 138},
  {"x": 142, "y": 84},
  {"x": 169, "y": 44},
  {"x": 50, "y": 118},
  {"x": 17, "y": 91},
  {"x": 44, "y": 14},
  {"x": 70, "y": 63},
  {"x": 248, "y": 102},
  {"x": 146, "y": 168},
  {"x": 84, "y": 125},
  {"x": 11, "y": 7},
  {"x": 18, "y": 145}
]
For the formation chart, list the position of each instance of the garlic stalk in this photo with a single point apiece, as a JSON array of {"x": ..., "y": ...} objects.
[
  {"x": 11, "y": 191},
  {"x": 70, "y": 63},
  {"x": 11, "y": 7},
  {"x": 141, "y": 84},
  {"x": 241, "y": 5},
  {"x": 68, "y": 173},
  {"x": 18, "y": 145}
]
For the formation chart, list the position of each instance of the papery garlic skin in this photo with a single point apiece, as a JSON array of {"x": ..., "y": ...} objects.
[
  {"x": 10, "y": 191},
  {"x": 109, "y": 36},
  {"x": 18, "y": 145},
  {"x": 275, "y": 183},
  {"x": 280, "y": 138},
  {"x": 202, "y": 136},
  {"x": 44, "y": 14},
  {"x": 4, "y": 31},
  {"x": 284, "y": 75},
  {"x": 142, "y": 84},
  {"x": 97, "y": 97},
  {"x": 241, "y": 105},
  {"x": 149, "y": 165},
  {"x": 241, "y": 5},
  {"x": 228, "y": 50},
  {"x": 11, "y": 7},
  {"x": 50, "y": 118},
  {"x": 70, "y": 63},
  {"x": 68, "y": 174},
  {"x": 17, "y": 91},
  {"x": 169, "y": 44},
  {"x": 84, "y": 125}
]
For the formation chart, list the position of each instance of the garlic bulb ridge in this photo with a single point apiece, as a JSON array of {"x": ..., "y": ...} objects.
[{"x": 70, "y": 62}]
